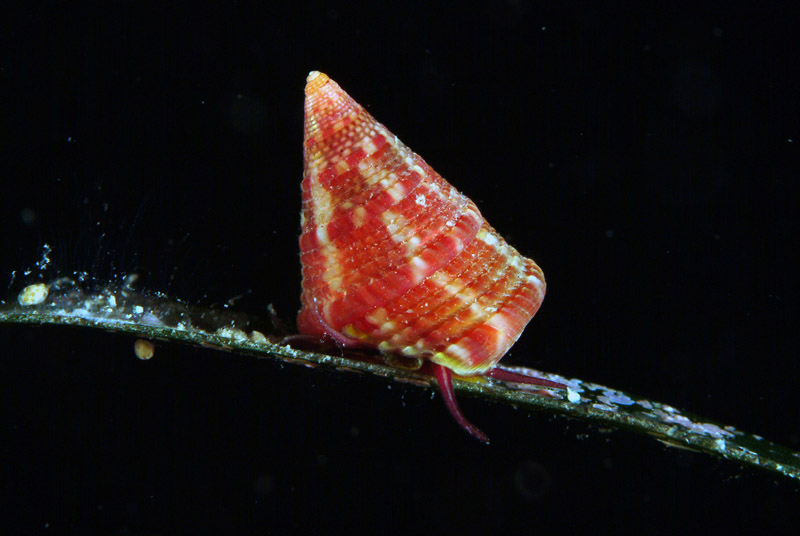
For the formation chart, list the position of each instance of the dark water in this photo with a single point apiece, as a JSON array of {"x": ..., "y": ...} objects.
[{"x": 647, "y": 158}]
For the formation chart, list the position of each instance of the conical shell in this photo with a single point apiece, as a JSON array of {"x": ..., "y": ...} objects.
[{"x": 393, "y": 256}]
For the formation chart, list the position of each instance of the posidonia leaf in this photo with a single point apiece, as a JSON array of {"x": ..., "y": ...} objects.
[{"x": 124, "y": 310}]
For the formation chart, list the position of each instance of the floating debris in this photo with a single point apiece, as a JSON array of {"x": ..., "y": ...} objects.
[
  {"x": 143, "y": 349},
  {"x": 33, "y": 294}
]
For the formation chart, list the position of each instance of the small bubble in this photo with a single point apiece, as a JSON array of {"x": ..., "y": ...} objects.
[
  {"x": 264, "y": 485},
  {"x": 28, "y": 216},
  {"x": 531, "y": 480}
]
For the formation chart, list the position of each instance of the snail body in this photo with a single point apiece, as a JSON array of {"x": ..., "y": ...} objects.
[{"x": 397, "y": 259}]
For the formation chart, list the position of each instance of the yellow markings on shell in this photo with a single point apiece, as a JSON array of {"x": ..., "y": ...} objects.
[
  {"x": 452, "y": 287},
  {"x": 457, "y": 351},
  {"x": 354, "y": 333},
  {"x": 380, "y": 319},
  {"x": 394, "y": 223},
  {"x": 396, "y": 192},
  {"x": 388, "y": 328},
  {"x": 359, "y": 216},
  {"x": 368, "y": 146},
  {"x": 342, "y": 167},
  {"x": 323, "y": 205},
  {"x": 411, "y": 351},
  {"x": 377, "y": 317},
  {"x": 475, "y": 310},
  {"x": 374, "y": 175}
]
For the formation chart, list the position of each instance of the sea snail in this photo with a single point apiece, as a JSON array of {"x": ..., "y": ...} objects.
[{"x": 397, "y": 259}]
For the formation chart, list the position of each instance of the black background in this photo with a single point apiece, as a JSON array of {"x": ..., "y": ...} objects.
[{"x": 646, "y": 157}]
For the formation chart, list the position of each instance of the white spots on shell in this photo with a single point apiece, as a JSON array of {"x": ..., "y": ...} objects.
[
  {"x": 385, "y": 180},
  {"x": 380, "y": 318},
  {"x": 143, "y": 349},
  {"x": 475, "y": 310},
  {"x": 452, "y": 287},
  {"x": 322, "y": 235},
  {"x": 388, "y": 327},
  {"x": 418, "y": 269},
  {"x": 573, "y": 396},
  {"x": 499, "y": 322},
  {"x": 537, "y": 282},
  {"x": 516, "y": 262},
  {"x": 420, "y": 200},
  {"x": 395, "y": 225},
  {"x": 33, "y": 294},
  {"x": 458, "y": 352},
  {"x": 368, "y": 145},
  {"x": 487, "y": 238},
  {"x": 396, "y": 192}
]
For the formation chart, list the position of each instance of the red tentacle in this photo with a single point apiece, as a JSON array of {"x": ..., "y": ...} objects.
[{"x": 444, "y": 376}]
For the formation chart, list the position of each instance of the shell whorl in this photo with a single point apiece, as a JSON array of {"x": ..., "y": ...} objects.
[{"x": 393, "y": 256}]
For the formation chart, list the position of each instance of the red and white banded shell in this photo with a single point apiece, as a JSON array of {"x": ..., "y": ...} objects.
[{"x": 396, "y": 258}]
